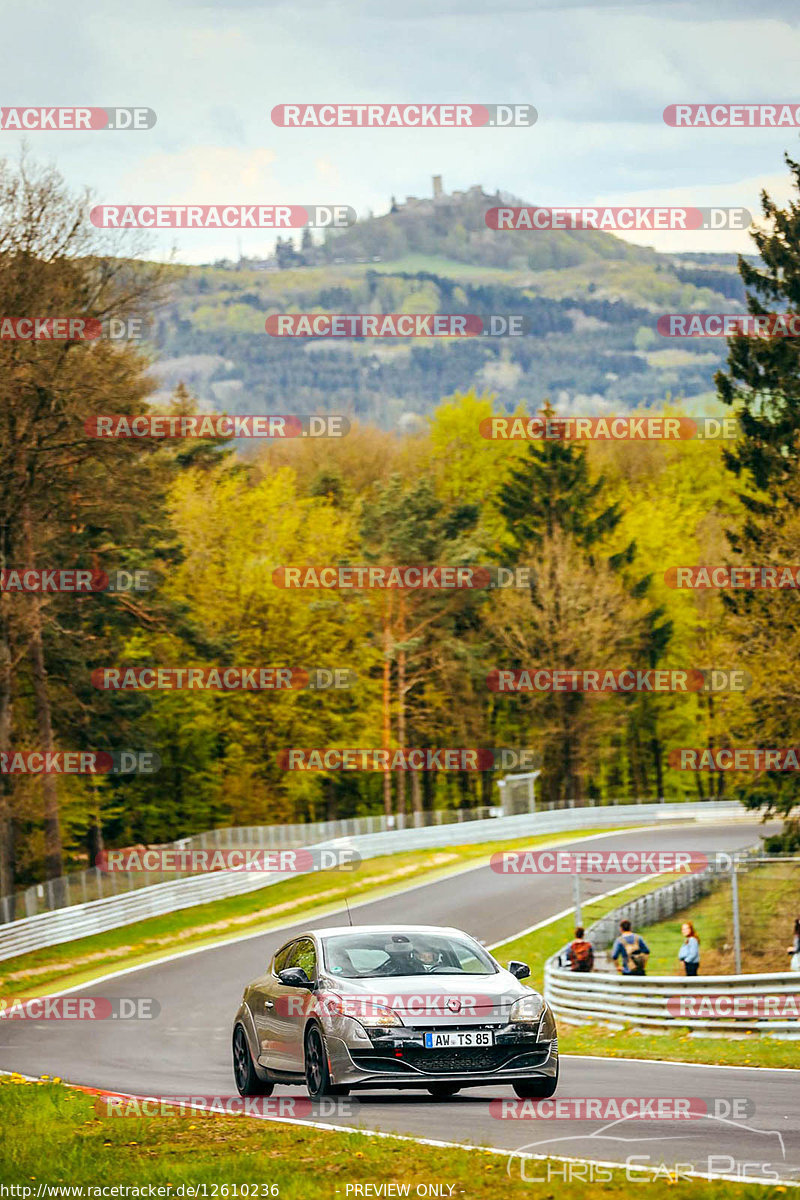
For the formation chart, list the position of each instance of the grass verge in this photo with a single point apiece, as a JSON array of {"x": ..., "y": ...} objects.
[{"x": 56, "y": 1138}]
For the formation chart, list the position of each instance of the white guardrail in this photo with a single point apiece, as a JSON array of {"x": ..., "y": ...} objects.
[
  {"x": 619, "y": 1001},
  {"x": 81, "y": 920},
  {"x": 654, "y": 1001}
]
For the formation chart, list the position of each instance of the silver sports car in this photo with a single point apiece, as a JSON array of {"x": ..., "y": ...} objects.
[{"x": 401, "y": 1006}]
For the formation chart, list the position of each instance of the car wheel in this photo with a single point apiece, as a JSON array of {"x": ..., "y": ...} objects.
[
  {"x": 536, "y": 1089},
  {"x": 318, "y": 1077},
  {"x": 443, "y": 1091},
  {"x": 244, "y": 1072}
]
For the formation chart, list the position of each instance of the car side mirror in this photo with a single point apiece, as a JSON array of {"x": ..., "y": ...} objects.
[
  {"x": 295, "y": 977},
  {"x": 519, "y": 970}
]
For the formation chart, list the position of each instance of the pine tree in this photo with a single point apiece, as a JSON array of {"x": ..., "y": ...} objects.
[
  {"x": 551, "y": 501},
  {"x": 763, "y": 377},
  {"x": 762, "y": 383},
  {"x": 551, "y": 489}
]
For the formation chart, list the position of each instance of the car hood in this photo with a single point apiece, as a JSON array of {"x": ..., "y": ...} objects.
[{"x": 428, "y": 998}]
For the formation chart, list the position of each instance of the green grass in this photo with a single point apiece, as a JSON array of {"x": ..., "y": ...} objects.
[
  {"x": 267, "y": 908},
  {"x": 54, "y": 1136},
  {"x": 749, "y": 1050},
  {"x": 712, "y": 917},
  {"x": 767, "y": 904},
  {"x": 448, "y": 267},
  {"x": 536, "y": 947}
]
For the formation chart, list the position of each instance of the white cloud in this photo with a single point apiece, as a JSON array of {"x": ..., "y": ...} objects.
[
  {"x": 202, "y": 175},
  {"x": 742, "y": 193}
]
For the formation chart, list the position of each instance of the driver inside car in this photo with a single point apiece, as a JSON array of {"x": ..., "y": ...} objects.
[
  {"x": 401, "y": 961},
  {"x": 427, "y": 958}
]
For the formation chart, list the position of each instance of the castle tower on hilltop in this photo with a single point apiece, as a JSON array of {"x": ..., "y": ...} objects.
[{"x": 440, "y": 196}]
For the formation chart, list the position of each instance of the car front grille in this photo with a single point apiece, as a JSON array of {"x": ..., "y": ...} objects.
[
  {"x": 484, "y": 1058},
  {"x": 462, "y": 1060}
]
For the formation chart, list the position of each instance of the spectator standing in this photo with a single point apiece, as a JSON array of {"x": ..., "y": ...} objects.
[
  {"x": 689, "y": 953},
  {"x": 631, "y": 950},
  {"x": 794, "y": 949},
  {"x": 580, "y": 953}
]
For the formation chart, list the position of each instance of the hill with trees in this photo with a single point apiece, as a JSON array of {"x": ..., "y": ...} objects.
[{"x": 590, "y": 303}]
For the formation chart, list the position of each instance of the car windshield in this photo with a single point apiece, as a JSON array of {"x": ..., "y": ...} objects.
[{"x": 371, "y": 955}]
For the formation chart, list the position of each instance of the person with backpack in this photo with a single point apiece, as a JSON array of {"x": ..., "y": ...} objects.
[
  {"x": 631, "y": 950},
  {"x": 689, "y": 953},
  {"x": 580, "y": 953}
]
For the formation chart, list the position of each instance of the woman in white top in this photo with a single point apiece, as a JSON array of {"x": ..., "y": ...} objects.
[{"x": 689, "y": 953}]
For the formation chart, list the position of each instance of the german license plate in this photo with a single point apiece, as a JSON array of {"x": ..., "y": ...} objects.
[{"x": 455, "y": 1038}]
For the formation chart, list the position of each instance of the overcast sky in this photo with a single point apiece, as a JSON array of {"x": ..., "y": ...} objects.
[{"x": 599, "y": 74}]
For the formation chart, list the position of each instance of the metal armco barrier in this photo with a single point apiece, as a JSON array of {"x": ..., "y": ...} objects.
[
  {"x": 81, "y": 920},
  {"x": 80, "y": 887},
  {"x": 617, "y": 1001}
]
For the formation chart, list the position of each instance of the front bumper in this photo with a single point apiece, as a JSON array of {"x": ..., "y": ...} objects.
[{"x": 399, "y": 1059}]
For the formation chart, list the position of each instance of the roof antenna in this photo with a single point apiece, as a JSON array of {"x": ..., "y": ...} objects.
[{"x": 347, "y": 906}]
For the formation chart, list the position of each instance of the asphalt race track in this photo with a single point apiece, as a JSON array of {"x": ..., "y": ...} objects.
[{"x": 186, "y": 1050}]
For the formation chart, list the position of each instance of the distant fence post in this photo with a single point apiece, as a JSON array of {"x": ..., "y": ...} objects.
[{"x": 737, "y": 937}]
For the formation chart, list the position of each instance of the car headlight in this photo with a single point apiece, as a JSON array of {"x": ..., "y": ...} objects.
[
  {"x": 362, "y": 1010},
  {"x": 379, "y": 1017},
  {"x": 527, "y": 1010}
]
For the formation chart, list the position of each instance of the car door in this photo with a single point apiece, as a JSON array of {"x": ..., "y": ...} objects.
[
  {"x": 303, "y": 954},
  {"x": 270, "y": 1012}
]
